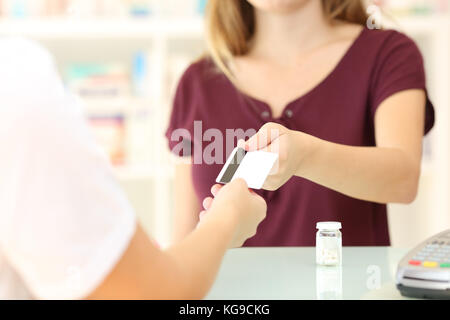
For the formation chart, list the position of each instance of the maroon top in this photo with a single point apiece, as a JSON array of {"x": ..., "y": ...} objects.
[{"x": 340, "y": 109}]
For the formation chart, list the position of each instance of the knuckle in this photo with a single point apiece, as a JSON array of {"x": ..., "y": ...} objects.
[
  {"x": 240, "y": 181},
  {"x": 264, "y": 206},
  {"x": 264, "y": 213},
  {"x": 267, "y": 125}
]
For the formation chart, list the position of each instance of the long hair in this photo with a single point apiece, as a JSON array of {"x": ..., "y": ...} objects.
[{"x": 231, "y": 25}]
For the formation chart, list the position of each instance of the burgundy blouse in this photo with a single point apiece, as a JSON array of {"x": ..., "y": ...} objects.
[{"x": 340, "y": 109}]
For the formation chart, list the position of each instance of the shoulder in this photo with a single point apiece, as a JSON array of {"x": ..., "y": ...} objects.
[
  {"x": 25, "y": 66},
  {"x": 200, "y": 74},
  {"x": 11, "y": 44},
  {"x": 23, "y": 52},
  {"x": 387, "y": 50},
  {"x": 29, "y": 81},
  {"x": 385, "y": 41}
]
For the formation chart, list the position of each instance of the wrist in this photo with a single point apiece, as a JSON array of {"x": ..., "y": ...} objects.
[
  {"x": 306, "y": 148},
  {"x": 226, "y": 217}
]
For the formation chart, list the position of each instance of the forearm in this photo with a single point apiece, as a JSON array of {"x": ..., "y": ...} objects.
[
  {"x": 187, "y": 206},
  {"x": 184, "y": 271},
  {"x": 185, "y": 221},
  {"x": 368, "y": 173},
  {"x": 198, "y": 256}
]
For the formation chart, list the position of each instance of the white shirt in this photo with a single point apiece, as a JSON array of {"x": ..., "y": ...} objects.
[{"x": 64, "y": 221}]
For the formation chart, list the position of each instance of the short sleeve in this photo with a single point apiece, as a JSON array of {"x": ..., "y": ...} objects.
[
  {"x": 399, "y": 67},
  {"x": 64, "y": 221},
  {"x": 180, "y": 131}
]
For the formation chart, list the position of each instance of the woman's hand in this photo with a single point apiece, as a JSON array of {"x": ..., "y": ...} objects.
[
  {"x": 292, "y": 148},
  {"x": 238, "y": 204}
]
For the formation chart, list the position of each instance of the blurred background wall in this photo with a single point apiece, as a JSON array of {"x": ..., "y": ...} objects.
[{"x": 124, "y": 58}]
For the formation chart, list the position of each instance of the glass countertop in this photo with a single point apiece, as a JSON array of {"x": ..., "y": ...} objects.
[{"x": 291, "y": 273}]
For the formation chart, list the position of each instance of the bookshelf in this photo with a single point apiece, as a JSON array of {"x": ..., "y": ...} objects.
[
  {"x": 102, "y": 28},
  {"x": 117, "y": 40}
]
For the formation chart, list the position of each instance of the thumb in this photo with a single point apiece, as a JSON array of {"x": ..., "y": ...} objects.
[
  {"x": 264, "y": 137},
  {"x": 239, "y": 183}
]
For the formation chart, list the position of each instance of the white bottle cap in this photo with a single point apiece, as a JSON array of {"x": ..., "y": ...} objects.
[{"x": 329, "y": 225}]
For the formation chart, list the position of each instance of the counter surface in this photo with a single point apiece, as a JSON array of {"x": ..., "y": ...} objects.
[{"x": 291, "y": 273}]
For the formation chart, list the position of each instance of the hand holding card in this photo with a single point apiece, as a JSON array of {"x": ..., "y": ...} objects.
[{"x": 254, "y": 167}]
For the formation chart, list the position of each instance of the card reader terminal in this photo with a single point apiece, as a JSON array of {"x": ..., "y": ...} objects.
[{"x": 425, "y": 271}]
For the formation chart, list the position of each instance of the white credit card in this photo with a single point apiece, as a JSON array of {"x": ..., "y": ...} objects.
[{"x": 254, "y": 167}]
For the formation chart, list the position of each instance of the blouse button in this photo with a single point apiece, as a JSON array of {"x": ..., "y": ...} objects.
[
  {"x": 265, "y": 114},
  {"x": 289, "y": 113}
]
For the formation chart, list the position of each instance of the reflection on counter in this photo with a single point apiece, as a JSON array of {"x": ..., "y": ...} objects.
[{"x": 329, "y": 283}]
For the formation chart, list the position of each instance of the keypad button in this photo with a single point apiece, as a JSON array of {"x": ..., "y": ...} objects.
[
  {"x": 418, "y": 258},
  {"x": 430, "y": 264},
  {"x": 420, "y": 254},
  {"x": 415, "y": 262},
  {"x": 437, "y": 260}
]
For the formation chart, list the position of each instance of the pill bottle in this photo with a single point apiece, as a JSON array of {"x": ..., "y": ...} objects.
[{"x": 329, "y": 244}]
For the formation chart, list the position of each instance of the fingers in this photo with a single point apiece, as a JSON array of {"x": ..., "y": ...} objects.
[
  {"x": 215, "y": 189},
  {"x": 207, "y": 203},
  {"x": 241, "y": 144},
  {"x": 262, "y": 202},
  {"x": 238, "y": 183},
  {"x": 268, "y": 132}
]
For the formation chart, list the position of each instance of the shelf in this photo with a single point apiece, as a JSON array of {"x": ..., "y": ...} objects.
[
  {"x": 143, "y": 173},
  {"x": 68, "y": 28},
  {"x": 116, "y": 105},
  {"x": 60, "y": 28},
  {"x": 419, "y": 25}
]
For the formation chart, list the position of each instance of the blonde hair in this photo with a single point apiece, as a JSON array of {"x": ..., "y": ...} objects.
[{"x": 231, "y": 25}]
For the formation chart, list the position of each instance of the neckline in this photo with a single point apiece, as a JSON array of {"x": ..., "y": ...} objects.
[{"x": 295, "y": 101}]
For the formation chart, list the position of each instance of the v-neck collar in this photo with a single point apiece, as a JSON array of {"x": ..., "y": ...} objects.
[{"x": 264, "y": 107}]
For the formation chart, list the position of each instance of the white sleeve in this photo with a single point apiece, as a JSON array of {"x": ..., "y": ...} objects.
[{"x": 64, "y": 220}]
